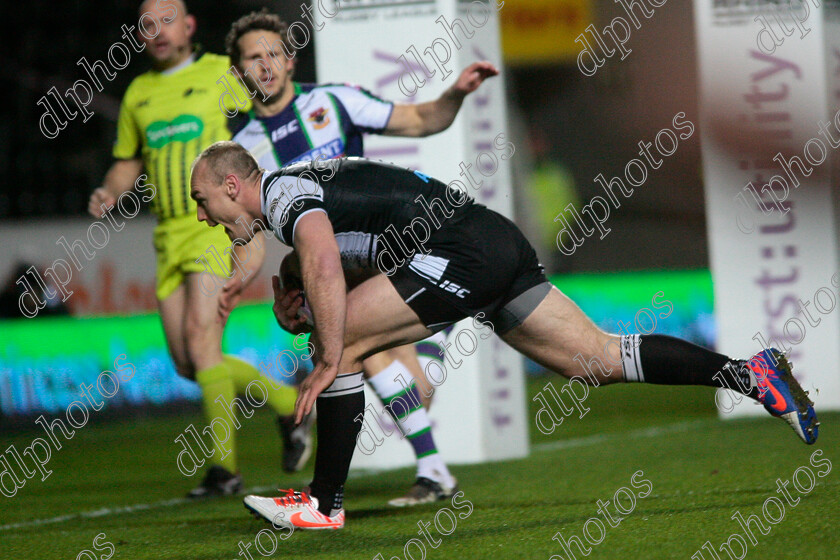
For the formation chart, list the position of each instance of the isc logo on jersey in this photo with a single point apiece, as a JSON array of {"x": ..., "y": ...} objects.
[{"x": 283, "y": 131}]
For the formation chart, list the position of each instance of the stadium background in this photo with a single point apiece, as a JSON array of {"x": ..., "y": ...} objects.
[{"x": 567, "y": 128}]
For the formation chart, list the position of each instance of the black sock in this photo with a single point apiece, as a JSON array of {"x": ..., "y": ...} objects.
[
  {"x": 667, "y": 360},
  {"x": 337, "y": 431}
]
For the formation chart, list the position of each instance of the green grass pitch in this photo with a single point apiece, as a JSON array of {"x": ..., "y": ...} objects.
[{"x": 120, "y": 479}]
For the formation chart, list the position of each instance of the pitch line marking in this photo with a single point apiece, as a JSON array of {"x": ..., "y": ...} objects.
[
  {"x": 644, "y": 433},
  {"x": 102, "y": 512}
]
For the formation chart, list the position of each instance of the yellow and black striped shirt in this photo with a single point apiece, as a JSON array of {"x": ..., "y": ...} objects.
[{"x": 168, "y": 119}]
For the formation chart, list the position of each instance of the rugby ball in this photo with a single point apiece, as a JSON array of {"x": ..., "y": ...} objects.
[{"x": 290, "y": 279}]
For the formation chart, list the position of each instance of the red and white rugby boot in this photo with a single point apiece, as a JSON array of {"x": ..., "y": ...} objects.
[{"x": 297, "y": 510}]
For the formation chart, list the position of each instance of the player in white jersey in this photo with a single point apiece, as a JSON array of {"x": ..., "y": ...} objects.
[{"x": 294, "y": 122}]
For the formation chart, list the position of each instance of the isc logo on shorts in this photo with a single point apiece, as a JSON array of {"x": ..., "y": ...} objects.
[{"x": 454, "y": 288}]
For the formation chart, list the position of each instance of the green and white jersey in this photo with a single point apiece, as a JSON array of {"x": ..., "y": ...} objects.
[{"x": 325, "y": 121}]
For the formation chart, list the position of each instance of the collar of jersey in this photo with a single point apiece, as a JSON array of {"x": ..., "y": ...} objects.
[
  {"x": 175, "y": 69},
  {"x": 252, "y": 114},
  {"x": 194, "y": 56}
]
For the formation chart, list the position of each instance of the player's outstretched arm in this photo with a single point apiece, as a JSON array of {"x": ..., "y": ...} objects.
[
  {"x": 323, "y": 283},
  {"x": 119, "y": 179},
  {"x": 424, "y": 119}
]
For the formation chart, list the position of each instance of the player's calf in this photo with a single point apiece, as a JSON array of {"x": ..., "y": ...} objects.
[
  {"x": 595, "y": 371},
  {"x": 218, "y": 442},
  {"x": 766, "y": 377}
]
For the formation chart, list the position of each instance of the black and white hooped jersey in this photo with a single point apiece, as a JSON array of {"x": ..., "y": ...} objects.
[
  {"x": 325, "y": 121},
  {"x": 362, "y": 199}
]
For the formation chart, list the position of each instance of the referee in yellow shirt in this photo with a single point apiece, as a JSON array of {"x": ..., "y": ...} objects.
[{"x": 167, "y": 117}]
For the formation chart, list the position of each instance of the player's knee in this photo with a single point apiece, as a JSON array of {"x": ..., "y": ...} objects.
[
  {"x": 353, "y": 357},
  {"x": 195, "y": 343},
  {"x": 351, "y": 362},
  {"x": 198, "y": 328}
]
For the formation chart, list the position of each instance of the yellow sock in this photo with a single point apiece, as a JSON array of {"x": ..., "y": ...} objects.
[
  {"x": 281, "y": 399},
  {"x": 215, "y": 381}
]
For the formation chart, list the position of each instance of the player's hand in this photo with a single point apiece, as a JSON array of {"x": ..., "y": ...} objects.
[
  {"x": 230, "y": 296},
  {"x": 99, "y": 197},
  {"x": 286, "y": 305},
  {"x": 473, "y": 76},
  {"x": 315, "y": 384}
]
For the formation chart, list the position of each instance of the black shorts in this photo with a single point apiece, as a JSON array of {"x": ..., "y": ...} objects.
[{"x": 477, "y": 263}]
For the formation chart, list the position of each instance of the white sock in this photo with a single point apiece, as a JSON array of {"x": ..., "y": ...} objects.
[{"x": 411, "y": 419}]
